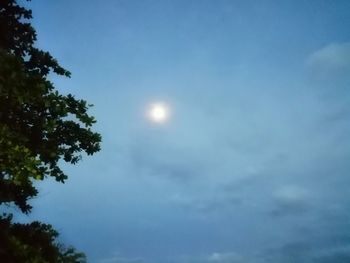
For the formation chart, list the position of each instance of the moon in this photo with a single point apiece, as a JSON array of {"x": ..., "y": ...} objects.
[{"x": 158, "y": 113}]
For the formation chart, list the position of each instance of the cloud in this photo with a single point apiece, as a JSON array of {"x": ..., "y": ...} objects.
[
  {"x": 305, "y": 252},
  {"x": 288, "y": 253},
  {"x": 208, "y": 204},
  {"x": 117, "y": 258},
  {"x": 301, "y": 251},
  {"x": 291, "y": 200},
  {"x": 227, "y": 257},
  {"x": 339, "y": 254},
  {"x": 215, "y": 257},
  {"x": 331, "y": 58},
  {"x": 162, "y": 159}
]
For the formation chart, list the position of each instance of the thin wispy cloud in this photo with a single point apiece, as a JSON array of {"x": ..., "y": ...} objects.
[{"x": 331, "y": 58}]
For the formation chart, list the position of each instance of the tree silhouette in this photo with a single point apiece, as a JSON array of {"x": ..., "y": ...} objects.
[{"x": 38, "y": 128}]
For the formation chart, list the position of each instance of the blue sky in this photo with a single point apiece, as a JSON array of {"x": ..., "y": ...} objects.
[{"x": 253, "y": 165}]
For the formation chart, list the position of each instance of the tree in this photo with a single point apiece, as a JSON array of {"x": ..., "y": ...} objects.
[
  {"x": 38, "y": 125},
  {"x": 35, "y": 243}
]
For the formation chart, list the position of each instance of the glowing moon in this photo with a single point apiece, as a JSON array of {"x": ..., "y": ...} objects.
[{"x": 158, "y": 112}]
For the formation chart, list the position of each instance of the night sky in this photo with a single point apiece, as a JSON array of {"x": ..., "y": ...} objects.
[{"x": 252, "y": 164}]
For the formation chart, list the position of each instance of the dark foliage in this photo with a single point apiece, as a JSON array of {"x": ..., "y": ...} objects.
[
  {"x": 34, "y": 242},
  {"x": 38, "y": 128}
]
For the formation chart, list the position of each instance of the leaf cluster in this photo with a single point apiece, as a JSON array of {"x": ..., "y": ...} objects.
[
  {"x": 39, "y": 128},
  {"x": 38, "y": 125},
  {"x": 33, "y": 243}
]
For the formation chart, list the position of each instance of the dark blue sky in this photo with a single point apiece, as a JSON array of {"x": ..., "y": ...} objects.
[{"x": 253, "y": 164}]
